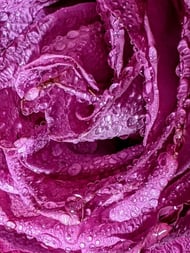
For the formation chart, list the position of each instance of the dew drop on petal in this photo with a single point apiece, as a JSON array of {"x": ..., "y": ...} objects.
[
  {"x": 74, "y": 169},
  {"x": 72, "y": 34},
  {"x": 82, "y": 245},
  {"x": 32, "y": 94},
  {"x": 11, "y": 224}
]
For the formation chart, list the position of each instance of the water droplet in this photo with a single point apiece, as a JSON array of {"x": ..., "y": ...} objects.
[
  {"x": 178, "y": 136},
  {"x": 88, "y": 211},
  {"x": 97, "y": 242},
  {"x": 82, "y": 245},
  {"x": 50, "y": 240},
  {"x": 25, "y": 192},
  {"x": 11, "y": 224},
  {"x": 178, "y": 71},
  {"x": 177, "y": 248},
  {"x": 170, "y": 118},
  {"x": 153, "y": 54},
  {"x": 154, "y": 193},
  {"x": 98, "y": 131},
  {"x": 56, "y": 150},
  {"x": 34, "y": 37},
  {"x": 148, "y": 87},
  {"x": 65, "y": 219},
  {"x": 50, "y": 205},
  {"x": 32, "y": 94},
  {"x": 68, "y": 237},
  {"x": 187, "y": 103},
  {"x": 45, "y": 49},
  {"x": 3, "y": 16},
  {"x": 90, "y": 238},
  {"x": 92, "y": 246},
  {"x": 20, "y": 227},
  {"x": 153, "y": 202},
  {"x": 72, "y": 34},
  {"x": 162, "y": 159},
  {"x": 71, "y": 44},
  {"x": 59, "y": 46},
  {"x": 74, "y": 169},
  {"x": 132, "y": 121},
  {"x": 67, "y": 250},
  {"x": 108, "y": 118}
]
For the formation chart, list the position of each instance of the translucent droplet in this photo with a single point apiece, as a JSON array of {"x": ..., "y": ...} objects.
[
  {"x": 32, "y": 94},
  {"x": 92, "y": 246},
  {"x": 59, "y": 46},
  {"x": 34, "y": 37},
  {"x": 177, "y": 248},
  {"x": 67, "y": 250},
  {"x": 187, "y": 103},
  {"x": 3, "y": 16},
  {"x": 11, "y": 224},
  {"x": 50, "y": 240},
  {"x": 72, "y": 34},
  {"x": 148, "y": 87},
  {"x": 162, "y": 159},
  {"x": 71, "y": 44},
  {"x": 82, "y": 245},
  {"x": 20, "y": 227},
  {"x": 132, "y": 121},
  {"x": 170, "y": 118},
  {"x": 50, "y": 205},
  {"x": 97, "y": 242},
  {"x": 88, "y": 212},
  {"x": 153, "y": 202},
  {"x": 178, "y": 71},
  {"x": 108, "y": 118},
  {"x": 98, "y": 131},
  {"x": 154, "y": 193},
  {"x": 74, "y": 169},
  {"x": 153, "y": 54},
  {"x": 68, "y": 237},
  {"x": 45, "y": 49},
  {"x": 90, "y": 238},
  {"x": 56, "y": 150}
]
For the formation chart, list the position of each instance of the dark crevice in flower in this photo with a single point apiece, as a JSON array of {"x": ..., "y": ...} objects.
[
  {"x": 61, "y": 4},
  {"x": 104, "y": 147}
]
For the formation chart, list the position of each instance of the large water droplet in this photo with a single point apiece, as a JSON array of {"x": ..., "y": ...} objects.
[
  {"x": 72, "y": 34},
  {"x": 32, "y": 94},
  {"x": 50, "y": 240},
  {"x": 74, "y": 169}
]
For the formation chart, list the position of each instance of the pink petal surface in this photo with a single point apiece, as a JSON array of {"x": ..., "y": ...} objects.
[{"x": 94, "y": 126}]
